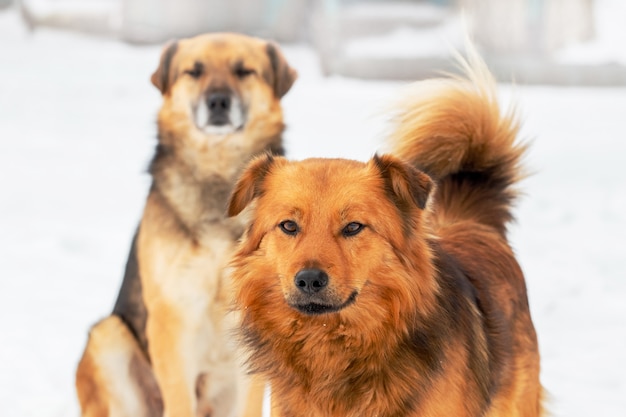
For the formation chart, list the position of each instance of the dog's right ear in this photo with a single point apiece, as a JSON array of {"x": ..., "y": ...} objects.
[
  {"x": 249, "y": 185},
  {"x": 161, "y": 77}
]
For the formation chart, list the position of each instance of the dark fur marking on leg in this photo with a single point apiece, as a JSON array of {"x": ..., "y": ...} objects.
[
  {"x": 129, "y": 305},
  {"x": 148, "y": 387}
]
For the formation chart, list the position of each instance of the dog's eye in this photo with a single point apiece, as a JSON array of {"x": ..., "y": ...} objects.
[
  {"x": 243, "y": 72},
  {"x": 289, "y": 227},
  {"x": 196, "y": 71},
  {"x": 352, "y": 229}
]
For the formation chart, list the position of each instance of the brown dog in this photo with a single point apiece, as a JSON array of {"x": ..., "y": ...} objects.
[
  {"x": 388, "y": 288},
  {"x": 166, "y": 348}
]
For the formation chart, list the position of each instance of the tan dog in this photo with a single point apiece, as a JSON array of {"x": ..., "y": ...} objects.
[
  {"x": 388, "y": 288},
  {"x": 166, "y": 348}
]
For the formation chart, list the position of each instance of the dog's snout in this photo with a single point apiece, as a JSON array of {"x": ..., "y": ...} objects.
[
  {"x": 219, "y": 102},
  {"x": 310, "y": 281},
  {"x": 219, "y": 105}
]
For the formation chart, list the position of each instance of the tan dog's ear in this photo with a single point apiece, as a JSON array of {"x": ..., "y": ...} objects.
[
  {"x": 248, "y": 186},
  {"x": 405, "y": 184},
  {"x": 283, "y": 76},
  {"x": 161, "y": 77}
]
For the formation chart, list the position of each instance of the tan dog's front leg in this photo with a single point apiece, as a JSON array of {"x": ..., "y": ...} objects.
[
  {"x": 254, "y": 397},
  {"x": 173, "y": 368}
]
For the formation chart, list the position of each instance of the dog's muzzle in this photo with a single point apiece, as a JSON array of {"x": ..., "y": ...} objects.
[
  {"x": 312, "y": 296},
  {"x": 219, "y": 113}
]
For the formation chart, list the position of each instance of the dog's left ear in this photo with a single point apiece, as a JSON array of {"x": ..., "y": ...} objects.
[
  {"x": 405, "y": 184},
  {"x": 249, "y": 185},
  {"x": 283, "y": 76},
  {"x": 161, "y": 77}
]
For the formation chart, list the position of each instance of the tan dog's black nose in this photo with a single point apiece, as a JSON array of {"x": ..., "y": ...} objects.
[
  {"x": 219, "y": 106},
  {"x": 310, "y": 281}
]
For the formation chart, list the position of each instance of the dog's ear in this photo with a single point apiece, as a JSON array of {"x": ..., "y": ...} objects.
[
  {"x": 282, "y": 75},
  {"x": 161, "y": 77},
  {"x": 249, "y": 185},
  {"x": 405, "y": 184}
]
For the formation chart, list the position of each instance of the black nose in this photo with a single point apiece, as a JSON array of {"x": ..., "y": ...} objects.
[
  {"x": 310, "y": 281},
  {"x": 219, "y": 103}
]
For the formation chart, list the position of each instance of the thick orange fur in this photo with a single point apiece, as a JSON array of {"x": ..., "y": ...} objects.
[{"x": 370, "y": 289}]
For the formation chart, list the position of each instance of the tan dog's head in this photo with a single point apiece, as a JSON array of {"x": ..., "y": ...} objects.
[
  {"x": 219, "y": 84},
  {"x": 331, "y": 236}
]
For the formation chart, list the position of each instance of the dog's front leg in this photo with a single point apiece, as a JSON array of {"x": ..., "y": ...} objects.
[
  {"x": 167, "y": 285},
  {"x": 173, "y": 367}
]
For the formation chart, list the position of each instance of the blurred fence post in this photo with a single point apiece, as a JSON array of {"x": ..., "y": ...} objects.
[
  {"x": 568, "y": 21},
  {"x": 529, "y": 27}
]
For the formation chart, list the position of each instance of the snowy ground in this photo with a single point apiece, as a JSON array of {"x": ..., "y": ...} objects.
[{"x": 77, "y": 130}]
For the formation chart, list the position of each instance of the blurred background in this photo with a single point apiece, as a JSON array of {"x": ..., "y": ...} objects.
[
  {"x": 77, "y": 131},
  {"x": 534, "y": 41}
]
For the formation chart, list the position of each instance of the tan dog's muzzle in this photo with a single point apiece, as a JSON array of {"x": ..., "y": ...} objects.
[{"x": 219, "y": 111}]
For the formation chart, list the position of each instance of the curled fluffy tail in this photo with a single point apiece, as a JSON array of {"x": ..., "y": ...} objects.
[{"x": 454, "y": 130}]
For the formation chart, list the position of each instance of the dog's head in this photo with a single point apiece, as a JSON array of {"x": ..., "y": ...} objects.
[
  {"x": 333, "y": 235},
  {"x": 222, "y": 83}
]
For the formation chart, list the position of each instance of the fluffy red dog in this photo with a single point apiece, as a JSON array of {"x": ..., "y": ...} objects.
[{"x": 388, "y": 288}]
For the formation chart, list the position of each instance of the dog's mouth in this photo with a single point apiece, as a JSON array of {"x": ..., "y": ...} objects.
[
  {"x": 219, "y": 114},
  {"x": 316, "y": 306}
]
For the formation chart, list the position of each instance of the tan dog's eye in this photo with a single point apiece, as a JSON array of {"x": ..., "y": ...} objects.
[
  {"x": 196, "y": 71},
  {"x": 352, "y": 229},
  {"x": 242, "y": 72},
  {"x": 289, "y": 227}
]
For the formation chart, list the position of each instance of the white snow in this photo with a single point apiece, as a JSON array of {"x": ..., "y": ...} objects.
[{"x": 77, "y": 131}]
